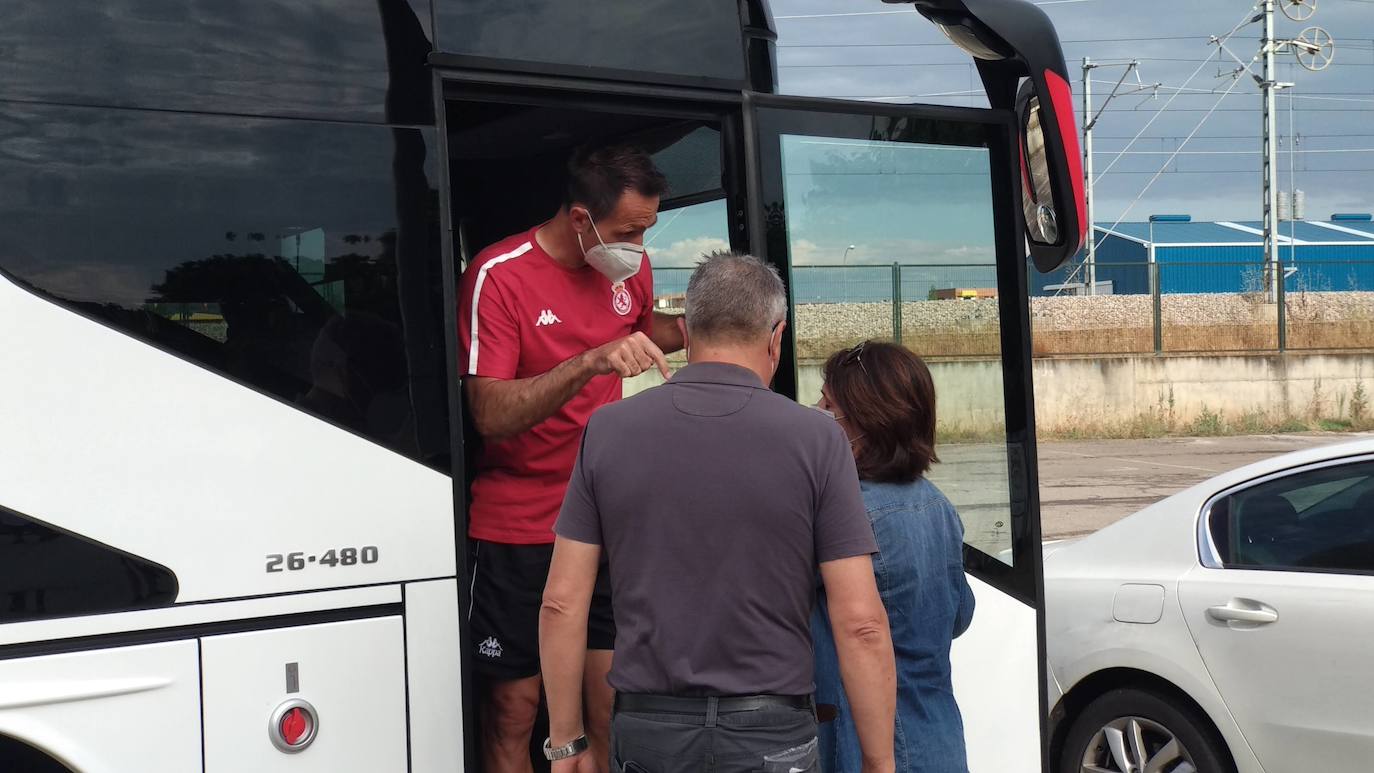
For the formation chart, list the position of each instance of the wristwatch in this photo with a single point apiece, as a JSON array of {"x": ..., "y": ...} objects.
[{"x": 570, "y": 749}]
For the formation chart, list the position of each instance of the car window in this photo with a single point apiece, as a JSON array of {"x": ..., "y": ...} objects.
[{"x": 1316, "y": 519}]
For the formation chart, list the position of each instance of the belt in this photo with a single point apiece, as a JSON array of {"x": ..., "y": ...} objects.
[{"x": 673, "y": 704}]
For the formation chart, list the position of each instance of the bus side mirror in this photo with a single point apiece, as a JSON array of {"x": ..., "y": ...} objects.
[{"x": 1051, "y": 176}]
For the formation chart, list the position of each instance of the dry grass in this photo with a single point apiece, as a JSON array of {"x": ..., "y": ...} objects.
[
  {"x": 984, "y": 342},
  {"x": 1341, "y": 334},
  {"x": 1108, "y": 325},
  {"x": 1220, "y": 338},
  {"x": 1129, "y": 340},
  {"x": 1346, "y": 334},
  {"x": 1206, "y": 424}
]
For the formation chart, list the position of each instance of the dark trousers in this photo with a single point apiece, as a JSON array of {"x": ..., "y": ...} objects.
[{"x": 706, "y": 736}]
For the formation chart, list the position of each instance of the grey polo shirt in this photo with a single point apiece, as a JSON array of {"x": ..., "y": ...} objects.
[{"x": 714, "y": 499}]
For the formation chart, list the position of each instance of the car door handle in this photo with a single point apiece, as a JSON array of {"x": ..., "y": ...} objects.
[{"x": 1244, "y": 611}]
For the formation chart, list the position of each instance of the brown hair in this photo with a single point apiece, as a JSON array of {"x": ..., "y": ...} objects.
[
  {"x": 887, "y": 396},
  {"x": 599, "y": 176}
]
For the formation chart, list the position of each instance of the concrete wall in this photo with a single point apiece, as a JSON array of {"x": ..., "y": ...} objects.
[
  {"x": 1076, "y": 394},
  {"x": 1291, "y": 385}
]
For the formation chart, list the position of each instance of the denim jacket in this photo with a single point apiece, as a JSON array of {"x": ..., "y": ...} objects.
[{"x": 920, "y": 573}]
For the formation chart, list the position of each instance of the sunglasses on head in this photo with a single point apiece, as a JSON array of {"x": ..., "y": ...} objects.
[{"x": 856, "y": 355}]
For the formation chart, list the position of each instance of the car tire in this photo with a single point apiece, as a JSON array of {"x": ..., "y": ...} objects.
[{"x": 1160, "y": 722}]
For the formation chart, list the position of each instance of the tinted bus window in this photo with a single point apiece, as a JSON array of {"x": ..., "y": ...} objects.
[
  {"x": 45, "y": 572},
  {"x": 693, "y": 40},
  {"x": 299, "y": 258},
  {"x": 347, "y": 60}
]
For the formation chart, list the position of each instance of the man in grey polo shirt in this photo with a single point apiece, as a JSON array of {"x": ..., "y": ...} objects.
[{"x": 716, "y": 500}]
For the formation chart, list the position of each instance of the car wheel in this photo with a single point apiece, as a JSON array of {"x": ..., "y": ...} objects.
[{"x": 1134, "y": 731}]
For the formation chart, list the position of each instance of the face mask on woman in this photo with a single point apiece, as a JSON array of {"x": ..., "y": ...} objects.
[{"x": 834, "y": 417}]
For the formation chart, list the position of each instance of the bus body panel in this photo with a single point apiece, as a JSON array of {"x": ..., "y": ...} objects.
[
  {"x": 110, "y": 710},
  {"x": 996, "y": 682},
  {"x": 434, "y": 674},
  {"x": 130, "y": 446},
  {"x": 351, "y": 672},
  {"x": 54, "y": 633}
]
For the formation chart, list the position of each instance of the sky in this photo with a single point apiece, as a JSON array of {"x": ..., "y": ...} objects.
[
  {"x": 893, "y": 54},
  {"x": 869, "y": 50}
]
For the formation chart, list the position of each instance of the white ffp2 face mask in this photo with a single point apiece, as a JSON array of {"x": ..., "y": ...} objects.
[{"x": 616, "y": 261}]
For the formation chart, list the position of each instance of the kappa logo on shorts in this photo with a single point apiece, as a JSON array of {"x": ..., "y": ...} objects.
[{"x": 490, "y": 648}]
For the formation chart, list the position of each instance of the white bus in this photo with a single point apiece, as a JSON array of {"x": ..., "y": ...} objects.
[{"x": 232, "y": 446}]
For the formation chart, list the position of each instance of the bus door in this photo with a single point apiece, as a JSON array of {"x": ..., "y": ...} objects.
[{"x": 876, "y": 214}]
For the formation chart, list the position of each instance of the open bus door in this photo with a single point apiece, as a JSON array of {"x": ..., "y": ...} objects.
[
  {"x": 967, "y": 194},
  {"x": 931, "y": 184}
]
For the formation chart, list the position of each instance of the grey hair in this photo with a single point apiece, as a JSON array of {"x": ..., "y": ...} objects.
[{"x": 734, "y": 297}]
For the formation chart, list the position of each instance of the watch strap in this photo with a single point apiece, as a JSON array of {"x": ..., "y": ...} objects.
[{"x": 570, "y": 749}]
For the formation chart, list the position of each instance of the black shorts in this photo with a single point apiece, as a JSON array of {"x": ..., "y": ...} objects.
[{"x": 507, "y": 590}]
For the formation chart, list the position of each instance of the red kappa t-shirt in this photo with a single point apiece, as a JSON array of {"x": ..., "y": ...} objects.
[{"x": 520, "y": 314}]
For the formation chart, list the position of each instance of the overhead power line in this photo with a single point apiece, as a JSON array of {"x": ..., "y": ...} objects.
[
  {"x": 1244, "y": 20},
  {"x": 1304, "y": 135},
  {"x": 1245, "y": 110},
  {"x": 943, "y": 44},
  {"x": 1231, "y": 152},
  {"x": 1220, "y": 42},
  {"x": 1237, "y": 171}
]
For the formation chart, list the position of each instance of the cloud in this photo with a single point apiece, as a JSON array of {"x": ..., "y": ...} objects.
[
  {"x": 686, "y": 252},
  {"x": 885, "y": 252},
  {"x": 807, "y": 251}
]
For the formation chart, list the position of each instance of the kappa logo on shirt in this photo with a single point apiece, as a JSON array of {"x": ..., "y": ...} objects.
[{"x": 547, "y": 317}]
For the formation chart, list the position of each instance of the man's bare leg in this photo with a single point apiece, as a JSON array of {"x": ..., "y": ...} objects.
[
  {"x": 509, "y": 709},
  {"x": 598, "y": 700}
]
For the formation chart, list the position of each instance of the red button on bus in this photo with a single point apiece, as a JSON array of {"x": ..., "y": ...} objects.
[{"x": 294, "y": 726}]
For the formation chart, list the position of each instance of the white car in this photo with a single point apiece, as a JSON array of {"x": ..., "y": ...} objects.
[{"x": 1229, "y": 627}]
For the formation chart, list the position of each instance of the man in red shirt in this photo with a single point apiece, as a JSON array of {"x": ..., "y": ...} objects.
[{"x": 550, "y": 321}]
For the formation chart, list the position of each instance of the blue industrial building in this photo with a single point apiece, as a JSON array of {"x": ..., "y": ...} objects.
[{"x": 1222, "y": 257}]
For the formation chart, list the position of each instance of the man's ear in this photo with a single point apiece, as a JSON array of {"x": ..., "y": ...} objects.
[
  {"x": 775, "y": 340},
  {"x": 579, "y": 217}
]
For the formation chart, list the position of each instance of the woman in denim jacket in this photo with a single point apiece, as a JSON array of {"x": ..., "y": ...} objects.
[{"x": 884, "y": 399}]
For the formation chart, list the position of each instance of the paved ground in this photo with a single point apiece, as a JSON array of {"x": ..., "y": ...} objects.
[{"x": 1086, "y": 485}]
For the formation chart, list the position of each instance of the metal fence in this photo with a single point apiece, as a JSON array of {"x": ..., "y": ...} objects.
[{"x": 945, "y": 310}]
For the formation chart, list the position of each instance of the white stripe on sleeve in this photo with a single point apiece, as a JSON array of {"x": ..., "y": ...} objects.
[{"x": 477, "y": 294}]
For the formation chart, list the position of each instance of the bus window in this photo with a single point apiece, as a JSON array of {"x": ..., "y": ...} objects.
[
  {"x": 692, "y": 221},
  {"x": 269, "y": 251},
  {"x": 351, "y": 60},
  {"x": 892, "y": 239},
  {"x": 650, "y": 39},
  {"x": 47, "y": 572},
  {"x": 679, "y": 240}
]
